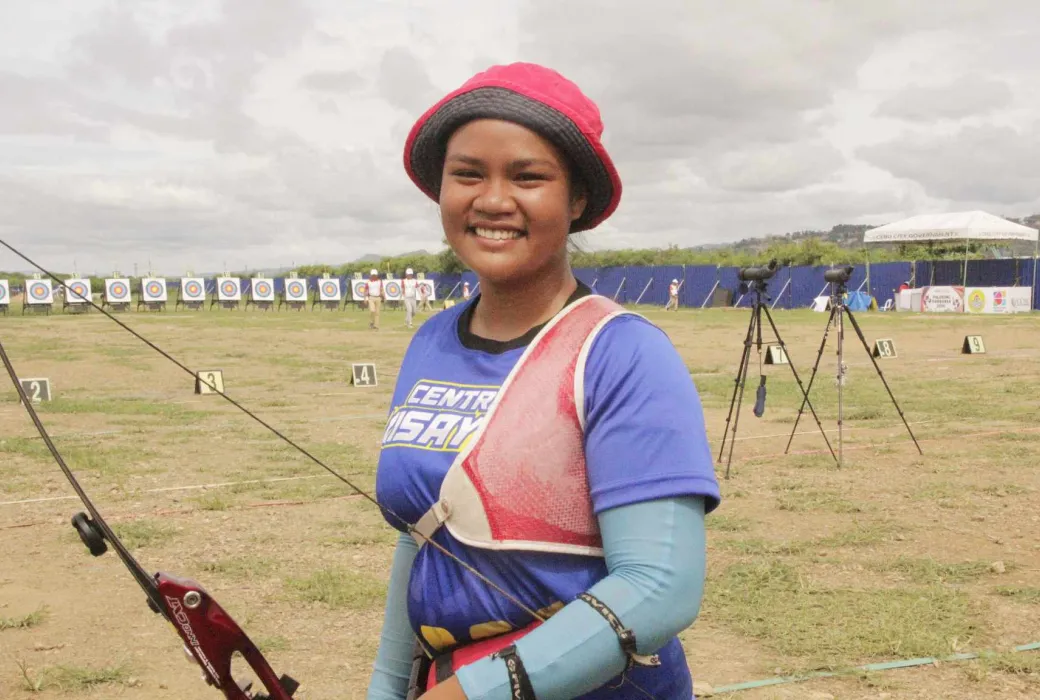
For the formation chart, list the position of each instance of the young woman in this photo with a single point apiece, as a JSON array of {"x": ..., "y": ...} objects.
[{"x": 550, "y": 447}]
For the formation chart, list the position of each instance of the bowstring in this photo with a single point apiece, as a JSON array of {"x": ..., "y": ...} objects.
[{"x": 410, "y": 527}]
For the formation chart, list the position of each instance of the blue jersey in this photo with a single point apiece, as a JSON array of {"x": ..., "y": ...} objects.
[{"x": 644, "y": 439}]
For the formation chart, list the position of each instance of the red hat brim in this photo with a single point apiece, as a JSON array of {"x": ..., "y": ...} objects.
[{"x": 577, "y": 135}]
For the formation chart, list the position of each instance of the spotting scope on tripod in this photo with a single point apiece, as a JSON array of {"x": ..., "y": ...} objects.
[
  {"x": 839, "y": 279},
  {"x": 755, "y": 281}
]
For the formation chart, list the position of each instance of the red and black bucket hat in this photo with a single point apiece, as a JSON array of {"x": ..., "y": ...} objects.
[{"x": 535, "y": 97}]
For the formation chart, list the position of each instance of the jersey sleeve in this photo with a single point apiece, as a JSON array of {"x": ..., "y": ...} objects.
[{"x": 645, "y": 436}]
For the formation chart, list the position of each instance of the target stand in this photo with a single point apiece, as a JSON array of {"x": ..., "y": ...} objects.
[
  {"x": 191, "y": 294},
  {"x": 117, "y": 294},
  {"x": 330, "y": 293},
  {"x": 294, "y": 293},
  {"x": 5, "y": 296},
  {"x": 229, "y": 293},
  {"x": 76, "y": 297},
  {"x": 38, "y": 296},
  {"x": 153, "y": 294},
  {"x": 261, "y": 294},
  {"x": 151, "y": 305}
]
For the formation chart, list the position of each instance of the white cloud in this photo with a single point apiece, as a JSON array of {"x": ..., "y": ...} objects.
[{"x": 269, "y": 133}]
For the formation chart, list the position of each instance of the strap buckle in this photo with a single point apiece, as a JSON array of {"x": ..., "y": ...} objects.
[
  {"x": 430, "y": 522},
  {"x": 626, "y": 637}
]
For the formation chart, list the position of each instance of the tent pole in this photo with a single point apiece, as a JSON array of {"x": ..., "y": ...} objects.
[
  {"x": 964, "y": 279},
  {"x": 1032, "y": 290}
]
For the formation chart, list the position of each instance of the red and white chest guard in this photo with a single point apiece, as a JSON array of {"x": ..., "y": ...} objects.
[{"x": 520, "y": 482}]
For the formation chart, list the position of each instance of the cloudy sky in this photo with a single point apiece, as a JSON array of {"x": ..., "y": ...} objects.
[{"x": 194, "y": 133}]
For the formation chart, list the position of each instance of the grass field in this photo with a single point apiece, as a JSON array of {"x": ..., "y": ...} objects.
[{"x": 896, "y": 555}]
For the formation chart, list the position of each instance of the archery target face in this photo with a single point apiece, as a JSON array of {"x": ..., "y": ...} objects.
[
  {"x": 393, "y": 290},
  {"x": 358, "y": 289},
  {"x": 431, "y": 289},
  {"x": 78, "y": 291},
  {"x": 329, "y": 290},
  {"x": 193, "y": 289},
  {"x": 295, "y": 290},
  {"x": 228, "y": 289},
  {"x": 117, "y": 291},
  {"x": 262, "y": 290},
  {"x": 5, "y": 293},
  {"x": 153, "y": 289},
  {"x": 39, "y": 292}
]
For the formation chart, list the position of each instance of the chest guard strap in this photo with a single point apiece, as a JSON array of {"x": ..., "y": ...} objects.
[{"x": 519, "y": 482}]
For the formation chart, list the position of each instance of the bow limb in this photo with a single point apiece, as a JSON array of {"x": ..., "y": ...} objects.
[{"x": 209, "y": 634}]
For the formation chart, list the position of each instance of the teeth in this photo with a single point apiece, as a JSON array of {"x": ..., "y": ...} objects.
[{"x": 497, "y": 234}]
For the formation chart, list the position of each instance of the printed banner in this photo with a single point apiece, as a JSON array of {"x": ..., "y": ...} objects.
[
  {"x": 997, "y": 300},
  {"x": 942, "y": 299}
]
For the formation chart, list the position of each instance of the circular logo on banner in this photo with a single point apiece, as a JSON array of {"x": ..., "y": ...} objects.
[
  {"x": 193, "y": 289},
  {"x": 998, "y": 298},
  {"x": 230, "y": 288},
  {"x": 79, "y": 289},
  {"x": 154, "y": 289},
  {"x": 976, "y": 300},
  {"x": 329, "y": 288},
  {"x": 393, "y": 289},
  {"x": 261, "y": 289},
  {"x": 118, "y": 290},
  {"x": 295, "y": 289},
  {"x": 38, "y": 290}
]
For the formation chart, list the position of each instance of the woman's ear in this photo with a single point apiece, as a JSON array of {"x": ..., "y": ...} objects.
[{"x": 578, "y": 203}]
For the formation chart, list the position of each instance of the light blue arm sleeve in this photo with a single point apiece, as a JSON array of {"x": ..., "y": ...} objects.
[
  {"x": 656, "y": 556},
  {"x": 393, "y": 664}
]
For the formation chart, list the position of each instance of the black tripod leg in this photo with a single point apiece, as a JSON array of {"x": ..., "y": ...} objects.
[
  {"x": 738, "y": 392},
  {"x": 866, "y": 347},
  {"x": 812, "y": 378},
  {"x": 798, "y": 379}
]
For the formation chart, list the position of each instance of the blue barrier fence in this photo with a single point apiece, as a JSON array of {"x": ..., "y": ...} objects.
[{"x": 790, "y": 288}]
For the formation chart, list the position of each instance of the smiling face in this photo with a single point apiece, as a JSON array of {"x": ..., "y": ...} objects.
[{"x": 506, "y": 201}]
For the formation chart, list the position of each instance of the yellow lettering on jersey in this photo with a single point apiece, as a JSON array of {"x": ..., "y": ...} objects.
[
  {"x": 551, "y": 610},
  {"x": 437, "y": 637},
  {"x": 489, "y": 629}
]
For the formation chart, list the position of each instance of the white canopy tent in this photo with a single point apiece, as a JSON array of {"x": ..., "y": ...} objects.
[{"x": 956, "y": 226}]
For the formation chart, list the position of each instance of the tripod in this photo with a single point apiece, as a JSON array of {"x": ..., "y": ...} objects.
[
  {"x": 836, "y": 318},
  {"x": 754, "y": 337}
]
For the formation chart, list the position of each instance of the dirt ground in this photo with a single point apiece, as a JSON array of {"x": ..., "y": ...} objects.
[{"x": 895, "y": 555}]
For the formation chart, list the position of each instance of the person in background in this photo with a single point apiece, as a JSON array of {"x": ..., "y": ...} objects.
[
  {"x": 601, "y": 476},
  {"x": 374, "y": 297},
  {"x": 465, "y": 291},
  {"x": 424, "y": 298},
  {"x": 409, "y": 286},
  {"x": 673, "y": 296}
]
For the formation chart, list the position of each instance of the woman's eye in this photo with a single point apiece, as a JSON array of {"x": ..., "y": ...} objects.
[
  {"x": 468, "y": 174},
  {"x": 530, "y": 176}
]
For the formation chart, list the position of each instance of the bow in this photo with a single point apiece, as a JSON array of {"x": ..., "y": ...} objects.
[{"x": 210, "y": 636}]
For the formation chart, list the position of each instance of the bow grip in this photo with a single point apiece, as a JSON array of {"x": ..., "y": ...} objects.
[{"x": 212, "y": 637}]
